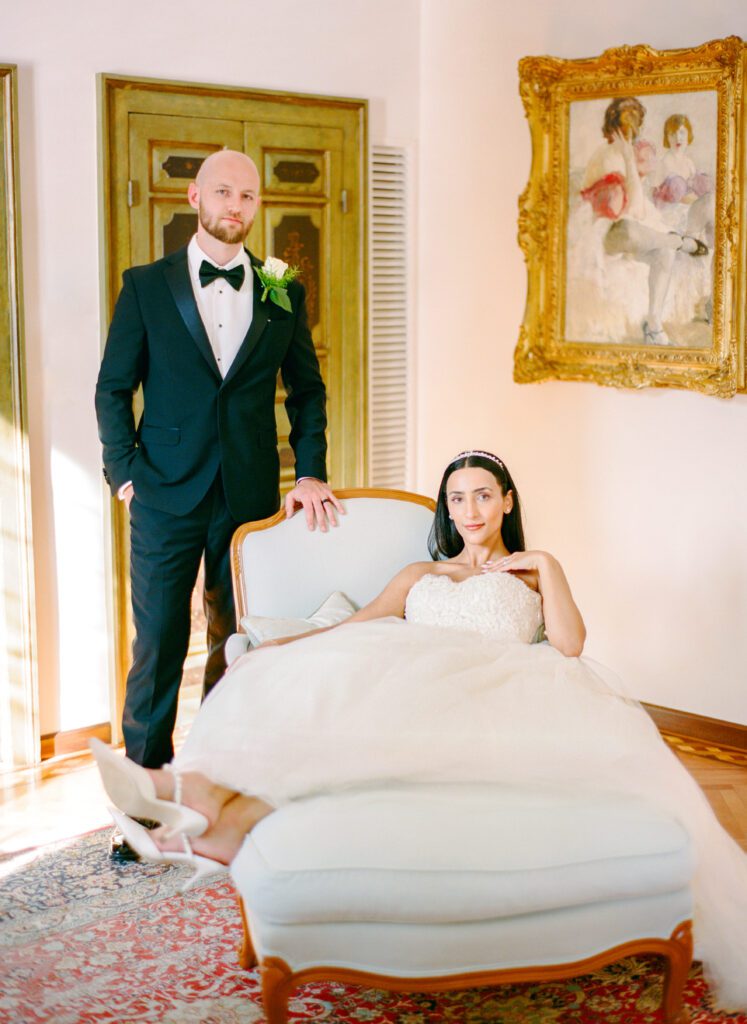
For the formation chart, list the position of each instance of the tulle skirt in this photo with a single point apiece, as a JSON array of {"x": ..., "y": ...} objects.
[{"x": 392, "y": 701}]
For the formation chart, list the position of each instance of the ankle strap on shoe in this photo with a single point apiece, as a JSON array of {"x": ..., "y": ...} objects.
[{"x": 177, "y": 799}]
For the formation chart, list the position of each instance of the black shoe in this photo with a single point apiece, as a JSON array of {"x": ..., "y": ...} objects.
[
  {"x": 120, "y": 851},
  {"x": 701, "y": 249}
]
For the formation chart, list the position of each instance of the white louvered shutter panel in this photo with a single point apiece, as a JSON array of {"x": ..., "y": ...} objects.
[{"x": 388, "y": 341}]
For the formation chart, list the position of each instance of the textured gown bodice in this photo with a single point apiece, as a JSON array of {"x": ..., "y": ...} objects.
[{"x": 493, "y": 604}]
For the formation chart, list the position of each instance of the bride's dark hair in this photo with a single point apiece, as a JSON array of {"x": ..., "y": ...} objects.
[{"x": 444, "y": 540}]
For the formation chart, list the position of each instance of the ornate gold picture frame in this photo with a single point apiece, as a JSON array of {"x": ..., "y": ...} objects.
[{"x": 632, "y": 223}]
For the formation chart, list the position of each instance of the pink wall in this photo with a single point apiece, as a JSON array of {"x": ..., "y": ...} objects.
[{"x": 642, "y": 495}]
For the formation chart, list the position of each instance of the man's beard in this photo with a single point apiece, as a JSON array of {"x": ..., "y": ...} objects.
[{"x": 228, "y": 233}]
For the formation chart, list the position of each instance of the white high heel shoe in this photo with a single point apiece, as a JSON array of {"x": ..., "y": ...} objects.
[
  {"x": 142, "y": 843},
  {"x": 131, "y": 789}
]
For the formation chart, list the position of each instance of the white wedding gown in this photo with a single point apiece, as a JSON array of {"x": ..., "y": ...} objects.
[{"x": 458, "y": 692}]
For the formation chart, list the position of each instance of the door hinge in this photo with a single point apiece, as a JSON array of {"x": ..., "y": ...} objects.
[
  {"x": 130, "y": 193},
  {"x": 344, "y": 200}
]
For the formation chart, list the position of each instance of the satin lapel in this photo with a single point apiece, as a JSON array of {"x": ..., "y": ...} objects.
[
  {"x": 177, "y": 278},
  {"x": 261, "y": 315}
]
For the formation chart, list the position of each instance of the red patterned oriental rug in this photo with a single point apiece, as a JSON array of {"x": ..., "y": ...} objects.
[{"x": 83, "y": 940}]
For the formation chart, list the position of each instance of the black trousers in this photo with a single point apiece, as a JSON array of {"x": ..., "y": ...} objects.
[{"x": 165, "y": 553}]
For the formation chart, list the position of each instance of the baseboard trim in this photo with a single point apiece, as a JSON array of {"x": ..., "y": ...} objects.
[
  {"x": 697, "y": 734},
  {"x": 74, "y": 740}
]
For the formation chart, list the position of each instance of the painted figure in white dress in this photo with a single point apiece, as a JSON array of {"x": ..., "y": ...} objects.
[{"x": 685, "y": 197}]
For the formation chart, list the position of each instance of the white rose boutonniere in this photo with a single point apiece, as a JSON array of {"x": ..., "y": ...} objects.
[{"x": 276, "y": 275}]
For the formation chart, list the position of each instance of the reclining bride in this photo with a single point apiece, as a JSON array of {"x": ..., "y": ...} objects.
[{"x": 464, "y": 669}]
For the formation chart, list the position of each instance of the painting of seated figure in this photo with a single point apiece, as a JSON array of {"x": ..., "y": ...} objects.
[{"x": 640, "y": 225}]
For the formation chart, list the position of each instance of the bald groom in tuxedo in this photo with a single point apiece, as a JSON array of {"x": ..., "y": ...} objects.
[{"x": 193, "y": 330}]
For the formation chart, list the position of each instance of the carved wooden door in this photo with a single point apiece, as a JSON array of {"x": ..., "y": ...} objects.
[{"x": 309, "y": 154}]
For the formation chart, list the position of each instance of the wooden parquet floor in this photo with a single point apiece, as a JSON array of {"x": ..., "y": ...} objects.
[{"x": 725, "y": 785}]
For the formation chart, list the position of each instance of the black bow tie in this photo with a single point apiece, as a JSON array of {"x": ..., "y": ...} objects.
[{"x": 209, "y": 272}]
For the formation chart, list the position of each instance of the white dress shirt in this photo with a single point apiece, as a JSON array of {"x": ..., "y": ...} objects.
[{"x": 225, "y": 312}]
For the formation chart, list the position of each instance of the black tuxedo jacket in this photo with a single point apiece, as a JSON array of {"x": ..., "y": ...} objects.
[{"x": 194, "y": 421}]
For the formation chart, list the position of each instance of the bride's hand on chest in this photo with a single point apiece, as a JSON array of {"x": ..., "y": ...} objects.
[
  {"x": 529, "y": 566},
  {"x": 542, "y": 572}
]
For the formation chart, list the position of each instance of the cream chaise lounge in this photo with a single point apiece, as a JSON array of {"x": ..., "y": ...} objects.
[{"x": 373, "y": 886}]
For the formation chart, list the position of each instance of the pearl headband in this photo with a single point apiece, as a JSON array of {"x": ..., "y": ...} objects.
[{"x": 482, "y": 455}]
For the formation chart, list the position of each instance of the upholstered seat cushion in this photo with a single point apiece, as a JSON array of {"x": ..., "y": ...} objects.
[{"x": 447, "y": 854}]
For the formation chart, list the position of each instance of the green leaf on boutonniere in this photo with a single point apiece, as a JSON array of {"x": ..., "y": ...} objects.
[
  {"x": 280, "y": 297},
  {"x": 276, "y": 275}
]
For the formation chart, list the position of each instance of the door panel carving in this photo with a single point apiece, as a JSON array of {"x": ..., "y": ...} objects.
[
  {"x": 296, "y": 239},
  {"x": 287, "y": 171}
]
